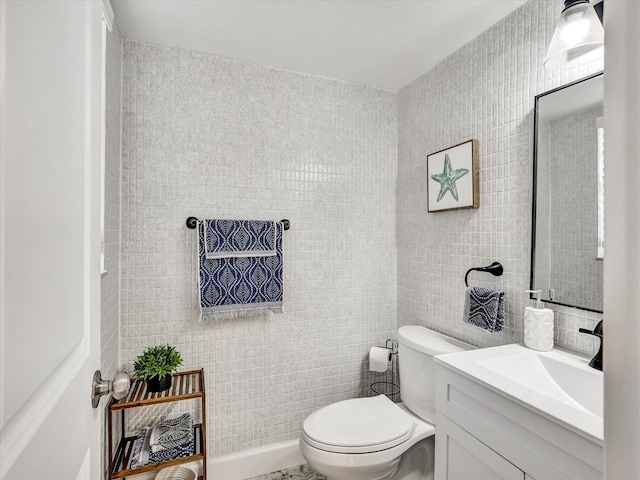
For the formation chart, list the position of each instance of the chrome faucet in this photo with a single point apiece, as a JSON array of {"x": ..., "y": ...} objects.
[{"x": 596, "y": 362}]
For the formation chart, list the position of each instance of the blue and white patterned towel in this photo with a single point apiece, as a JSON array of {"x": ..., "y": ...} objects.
[
  {"x": 142, "y": 455},
  {"x": 484, "y": 308},
  {"x": 239, "y": 238},
  {"x": 171, "y": 433},
  {"x": 237, "y": 285}
]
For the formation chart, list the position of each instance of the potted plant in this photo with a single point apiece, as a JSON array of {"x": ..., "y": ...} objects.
[{"x": 155, "y": 365}]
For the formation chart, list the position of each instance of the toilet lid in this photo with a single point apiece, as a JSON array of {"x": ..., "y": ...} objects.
[{"x": 360, "y": 425}]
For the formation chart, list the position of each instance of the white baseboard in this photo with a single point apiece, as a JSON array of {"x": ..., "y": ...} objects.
[
  {"x": 240, "y": 466},
  {"x": 260, "y": 461}
]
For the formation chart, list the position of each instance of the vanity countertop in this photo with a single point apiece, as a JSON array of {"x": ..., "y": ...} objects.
[{"x": 558, "y": 384}]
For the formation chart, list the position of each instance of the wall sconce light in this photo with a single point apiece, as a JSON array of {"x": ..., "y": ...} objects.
[{"x": 578, "y": 34}]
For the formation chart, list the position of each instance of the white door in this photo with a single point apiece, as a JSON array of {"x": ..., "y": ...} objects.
[{"x": 50, "y": 61}]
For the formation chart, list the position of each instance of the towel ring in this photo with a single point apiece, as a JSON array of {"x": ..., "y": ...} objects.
[
  {"x": 192, "y": 222},
  {"x": 494, "y": 269}
]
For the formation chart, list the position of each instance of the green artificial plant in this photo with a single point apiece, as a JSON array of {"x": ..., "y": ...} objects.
[{"x": 157, "y": 361}]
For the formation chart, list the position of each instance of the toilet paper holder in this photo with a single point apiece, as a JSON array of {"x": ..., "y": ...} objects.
[
  {"x": 391, "y": 345},
  {"x": 389, "y": 387}
]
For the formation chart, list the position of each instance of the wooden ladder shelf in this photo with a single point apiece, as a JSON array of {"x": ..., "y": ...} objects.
[{"x": 184, "y": 386}]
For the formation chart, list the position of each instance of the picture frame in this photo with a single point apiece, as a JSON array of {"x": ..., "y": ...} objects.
[{"x": 453, "y": 178}]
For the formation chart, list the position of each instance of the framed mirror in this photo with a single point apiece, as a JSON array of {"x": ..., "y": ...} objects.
[{"x": 567, "y": 245}]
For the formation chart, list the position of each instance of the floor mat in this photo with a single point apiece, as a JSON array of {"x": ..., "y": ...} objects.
[{"x": 301, "y": 472}]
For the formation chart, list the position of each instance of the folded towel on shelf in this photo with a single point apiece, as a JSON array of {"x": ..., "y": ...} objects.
[
  {"x": 171, "y": 433},
  {"x": 166, "y": 440},
  {"x": 141, "y": 449},
  {"x": 484, "y": 308},
  {"x": 238, "y": 283}
]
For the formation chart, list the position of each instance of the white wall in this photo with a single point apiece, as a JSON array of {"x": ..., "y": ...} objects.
[
  {"x": 485, "y": 90},
  {"x": 212, "y": 137},
  {"x": 110, "y": 285},
  {"x": 110, "y": 282}
]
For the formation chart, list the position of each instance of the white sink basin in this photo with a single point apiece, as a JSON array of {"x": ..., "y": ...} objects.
[{"x": 557, "y": 384}]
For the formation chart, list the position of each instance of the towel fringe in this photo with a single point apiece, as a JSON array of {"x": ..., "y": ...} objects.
[{"x": 230, "y": 315}]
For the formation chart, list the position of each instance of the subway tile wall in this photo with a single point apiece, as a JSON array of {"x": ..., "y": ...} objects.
[
  {"x": 217, "y": 138},
  {"x": 485, "y": 90}
]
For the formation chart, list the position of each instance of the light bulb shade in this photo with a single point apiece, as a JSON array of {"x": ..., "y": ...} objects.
[{"x": 578, "y": 35}]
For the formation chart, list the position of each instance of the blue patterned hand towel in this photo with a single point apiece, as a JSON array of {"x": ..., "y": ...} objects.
[
  {"x": 171, "y": 433},
  {"x": 484, "y": 308},
  {"x": 142, "y": 452},
  {"x": 239, "y": 238},
  {"x": 240, "y": 268}
]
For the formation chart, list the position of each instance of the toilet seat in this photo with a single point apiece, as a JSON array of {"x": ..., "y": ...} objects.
[{"x": 360, "y": 425}]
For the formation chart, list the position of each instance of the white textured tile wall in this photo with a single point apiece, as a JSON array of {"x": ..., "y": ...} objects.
[
  {"x": 212, "y": 137},
  {"x": 110, "y": 283},
  {"x": 485, "y": 91}
]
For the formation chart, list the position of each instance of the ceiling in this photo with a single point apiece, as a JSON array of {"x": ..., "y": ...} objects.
[{"x": 382, "y": 43}]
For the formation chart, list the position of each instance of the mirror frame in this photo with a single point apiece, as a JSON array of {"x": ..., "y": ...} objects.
[{"x": 535, "y": 190}]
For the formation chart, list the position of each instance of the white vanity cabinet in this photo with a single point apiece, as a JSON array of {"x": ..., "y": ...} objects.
[
  {"x": 483, "y": 434},
  {"x": 461, "y": 456}
]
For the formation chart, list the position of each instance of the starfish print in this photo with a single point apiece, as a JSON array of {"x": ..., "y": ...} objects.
[{"x": 447, "y": 179}]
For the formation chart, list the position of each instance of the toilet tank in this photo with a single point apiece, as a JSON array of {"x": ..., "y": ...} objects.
[{"x": 416, "y": 348}]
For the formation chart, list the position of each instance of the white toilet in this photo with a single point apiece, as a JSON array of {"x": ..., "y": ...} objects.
[{"x": 373, "y": 438}]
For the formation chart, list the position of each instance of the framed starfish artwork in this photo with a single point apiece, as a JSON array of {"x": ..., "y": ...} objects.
[{"x": 453, "y": 178}]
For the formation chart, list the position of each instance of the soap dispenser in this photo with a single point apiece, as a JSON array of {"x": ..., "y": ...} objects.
[{"x": 538, "y": 325}]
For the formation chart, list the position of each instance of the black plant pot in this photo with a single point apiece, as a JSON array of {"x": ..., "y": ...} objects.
[{"x": 159, "y": 384}]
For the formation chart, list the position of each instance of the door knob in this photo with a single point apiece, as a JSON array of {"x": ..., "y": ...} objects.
[{"x": 119, "y": 387}]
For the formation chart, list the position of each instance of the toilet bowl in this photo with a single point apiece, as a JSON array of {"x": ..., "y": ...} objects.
[
  {"x": 365, "y": 439},
  {"x": 373, "y": 438}
]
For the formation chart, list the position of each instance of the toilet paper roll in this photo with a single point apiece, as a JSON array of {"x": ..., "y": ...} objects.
[{"x": 379, "y": 359}]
